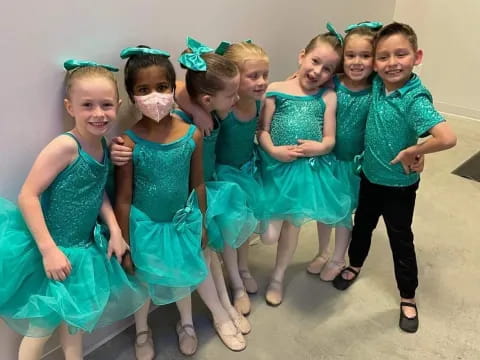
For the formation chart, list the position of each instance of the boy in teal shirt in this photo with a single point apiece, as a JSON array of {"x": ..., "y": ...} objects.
[{"x": 401, "y": 112}]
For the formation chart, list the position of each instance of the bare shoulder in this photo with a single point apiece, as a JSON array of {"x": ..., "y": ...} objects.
[
  {"x": 277, "y": 86},
  {"x": 63, "y": 145}
]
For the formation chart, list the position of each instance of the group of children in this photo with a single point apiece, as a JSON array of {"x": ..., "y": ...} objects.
[{"x": 192, "y": 185}]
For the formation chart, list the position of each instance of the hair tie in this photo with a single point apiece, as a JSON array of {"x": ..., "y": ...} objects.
[
  {"x": 374, "y": 25},
  {"x": 131, "y": 51},
  {"x": 73, "y": 64},
  {"x": 194, "y": 60}
]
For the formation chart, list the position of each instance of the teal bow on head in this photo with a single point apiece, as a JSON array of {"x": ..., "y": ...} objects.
[
  {"x": 194, "y": 60},
  {"x": 224, "y": 45},
  {"x": 374, "y": 25},
  {"x": 334, "y": 32},
  {"x": 222, "y": 48},
  {"x": 130, "y": 51},
  {"x": 72, "y": 64}
]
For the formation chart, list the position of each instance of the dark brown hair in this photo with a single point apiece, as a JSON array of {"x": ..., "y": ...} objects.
[{"x": 397, "y": 28}]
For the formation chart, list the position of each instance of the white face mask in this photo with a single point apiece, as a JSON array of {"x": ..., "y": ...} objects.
[{"x": 155, "y": 105}]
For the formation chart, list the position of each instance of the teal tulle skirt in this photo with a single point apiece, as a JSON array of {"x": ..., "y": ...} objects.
[
  {"x": 229, "y": 220},
  {"x": 347, "y": 174},
  {"x": 168, "y": 255},
  {"x": 248, "y": 178},
  {"x": 303, "y": 190},
  {"x": 96, "y": 293}
]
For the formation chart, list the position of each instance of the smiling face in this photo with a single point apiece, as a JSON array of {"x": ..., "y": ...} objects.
[
  {"x": 93, "y": 104},
  {"x": 395, "y": 58},
  {"x": 358, "y": 57},
  {"x": 317, "y": 66},
  {"x": 253, "y": 78}
]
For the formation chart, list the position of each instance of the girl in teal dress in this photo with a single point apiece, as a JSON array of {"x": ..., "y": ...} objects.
[
  {"x": 160, "y": 195},
  {"x": 353, "y": 89},
  {"x": 296, "y": 137},
  {"x": 237, "y": 155},
  {"x": 225, "y": 214},
  {"x": 56, "y": 264}
]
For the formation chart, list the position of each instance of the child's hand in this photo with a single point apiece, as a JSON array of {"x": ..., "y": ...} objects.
[
  {"x": 117, "y": 246},
  {"x": 204, "y": 238},
  {"x": 203, "y": 121},
  {"x": 56, "y": 264},
  {"x": 309, "y": 148},
  {"x": 407, "y": 158},
  {"x": 419, "y": 163},
  {"x": 286, "y": 153},
  {"x": 120, "y": 154},
  {"x": 127, "y": 263}
]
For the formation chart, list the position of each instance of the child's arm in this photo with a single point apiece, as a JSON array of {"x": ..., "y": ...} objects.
[
  {"x": 425, "y": 118},
  {"x": 281, "y": 153},
  {"x": 443, "y": 138},
  {"x": 316, "y": 148},
  {"x": 55, "y": 157},
  {"x": 201, "y": 118},
  {"x": 123, "y": 201},
  {"x": 116, "y": 244},
  {"x": 197, "y": 181}
]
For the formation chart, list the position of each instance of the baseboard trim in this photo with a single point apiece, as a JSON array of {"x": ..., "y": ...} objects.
[{"x": 454, "y": 110}]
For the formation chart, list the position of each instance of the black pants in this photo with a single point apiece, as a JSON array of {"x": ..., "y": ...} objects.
[{"x": 396, "y": 205}]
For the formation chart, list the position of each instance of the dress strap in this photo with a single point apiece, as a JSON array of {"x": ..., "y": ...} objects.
[
  {"x": 74, "y": 138},
  {"x": 258, "y": 104}
]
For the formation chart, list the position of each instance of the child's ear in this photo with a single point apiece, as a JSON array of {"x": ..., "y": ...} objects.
[
  {"x": 301, "y": 56},
  {"x": 206, "y": 100},
  {"x": 68, "y": 107},
  {"x": 418, "y": 56},
  {"x": 120, "y": 102}
]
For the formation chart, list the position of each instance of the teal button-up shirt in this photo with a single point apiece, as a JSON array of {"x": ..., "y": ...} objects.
[{"x": 395, "y": 122}]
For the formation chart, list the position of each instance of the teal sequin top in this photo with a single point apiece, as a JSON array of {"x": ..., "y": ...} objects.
[
  {"x": 156, "y": 192},
  {"x": 352, "y": 113},
  {"x": 236, "y": 140},
  {"x": 72, "y": 202},
  {"x": 293, "y": 118},
  {"x": 395, "y": 122},
  {"x": 209, "y": 144}
]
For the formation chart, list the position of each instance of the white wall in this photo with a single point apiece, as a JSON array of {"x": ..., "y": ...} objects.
[
  {"x": 449, "y": 35},
  {"x": 36, "y": 37}
]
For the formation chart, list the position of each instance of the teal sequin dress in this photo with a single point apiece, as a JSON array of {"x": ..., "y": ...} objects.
[
  {"x": 165, "y": 221},
  {"x": 229, "y": 220},
  {"x": 352, "y": 113},
  {"x": 304, "y": 189},
  {"x": 97, "y": 292},
  {"x": 237, "y": 158}
]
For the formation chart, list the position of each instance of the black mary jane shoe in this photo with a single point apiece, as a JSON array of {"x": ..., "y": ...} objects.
[
  {"x": 408, "y": 324},
  {"x": 342, "y": 284}
]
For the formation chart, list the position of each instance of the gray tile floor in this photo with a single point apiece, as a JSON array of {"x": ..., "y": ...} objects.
[{"x": 318, "y": 322}]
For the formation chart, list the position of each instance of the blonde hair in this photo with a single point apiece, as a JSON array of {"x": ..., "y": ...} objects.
[
  {"x": 240, "y": 52},
  {"x": 88, "y": 72}
]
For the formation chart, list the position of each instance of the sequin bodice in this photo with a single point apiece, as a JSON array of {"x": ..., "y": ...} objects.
[
  {"x": 236, "y": 140},
  {"x": 297, "y": 117},
  {"x": 71, "y": 204},
  {"x": 161, "y": 175},
  {"x": 352, "y": 113}
]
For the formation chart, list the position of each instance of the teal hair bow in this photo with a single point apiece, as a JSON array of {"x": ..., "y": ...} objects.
[
  {"x": 331, "y": 30},
  {"x": 374, "y": 25},
  {"x": 72, "y": 64},
  {"x": 194, "y": 60},
  {"x": 224, "y": 45},
  {"x": 222, "y": 48},
  {"x": 130, "y": 51}
]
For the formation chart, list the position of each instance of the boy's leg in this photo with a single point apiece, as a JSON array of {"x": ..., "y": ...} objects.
[{"x": 398, "y": 217}]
